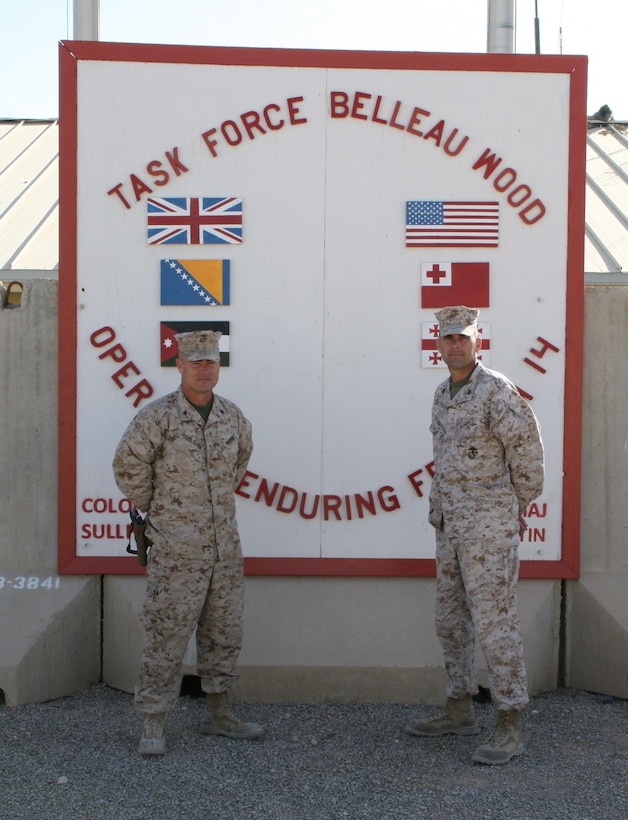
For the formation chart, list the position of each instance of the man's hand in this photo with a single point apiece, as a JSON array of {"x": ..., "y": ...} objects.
[{"x": 522, "y": 527}]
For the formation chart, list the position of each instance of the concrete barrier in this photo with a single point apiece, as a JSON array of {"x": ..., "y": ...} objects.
[
  {"x": 596, "y": 621},
  {"x": 50, "y": 636},
  {"x": 597, "y": 633},
  {"x": 336, "y": 639}
]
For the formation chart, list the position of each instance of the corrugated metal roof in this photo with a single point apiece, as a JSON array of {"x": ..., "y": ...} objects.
[
  {"x": 606, "y": 241},
  {"x": 29, "y": 200},
  {"x": 29, "y": 197}
]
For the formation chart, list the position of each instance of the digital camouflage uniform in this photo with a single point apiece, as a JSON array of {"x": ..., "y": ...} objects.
[
  {"x": 489, "y": 466},
  {"x": 183, "y": 472}
]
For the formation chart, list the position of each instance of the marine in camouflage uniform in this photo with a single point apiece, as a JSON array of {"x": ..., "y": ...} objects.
[
  {"x": 488, "y": 466},
  {"x": 180, "y": 460}
]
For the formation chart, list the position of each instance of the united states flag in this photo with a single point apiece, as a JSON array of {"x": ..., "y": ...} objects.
[
  {"x": 437, "y": 224},
  {"x": 194, "y": 221}
]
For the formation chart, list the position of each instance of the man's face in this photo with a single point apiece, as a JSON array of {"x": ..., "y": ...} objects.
[
  {"x": 459, "y": 353},
  {"x": 198, "y": 379}
]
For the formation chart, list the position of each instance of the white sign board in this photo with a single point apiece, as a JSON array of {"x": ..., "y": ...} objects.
[{"x": 317, "y": 207}]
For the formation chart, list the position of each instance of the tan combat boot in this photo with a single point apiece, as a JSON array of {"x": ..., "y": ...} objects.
[
  {"x": 220, "y": 720},
  {"x": 458, "y": 719},
  {"x": 153, "y": 740},
  {"x": 504, "y": 742}
]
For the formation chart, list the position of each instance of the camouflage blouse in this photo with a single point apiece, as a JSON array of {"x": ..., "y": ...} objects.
[
  {"x": 183, "y": 472},
  {"x": 488, "y": 458}
]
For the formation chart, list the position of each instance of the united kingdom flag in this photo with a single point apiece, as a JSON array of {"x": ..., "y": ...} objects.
[{"x": 194, "y": 221}]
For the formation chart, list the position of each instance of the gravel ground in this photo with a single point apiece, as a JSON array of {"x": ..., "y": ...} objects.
[{"x": 76, "y": 758}]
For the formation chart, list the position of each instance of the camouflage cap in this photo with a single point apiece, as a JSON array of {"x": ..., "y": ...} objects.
[
  {"x": 199, "y": 345},
  {"x": 458, "y": 319}
]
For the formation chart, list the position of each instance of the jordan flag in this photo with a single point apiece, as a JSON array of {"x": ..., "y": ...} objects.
[
  {"x": 170, "y": 349},
  {"x": 454, "y": 283}
]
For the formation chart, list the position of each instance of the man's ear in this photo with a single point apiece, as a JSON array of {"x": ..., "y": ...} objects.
[{"x": 478, "y": 345}]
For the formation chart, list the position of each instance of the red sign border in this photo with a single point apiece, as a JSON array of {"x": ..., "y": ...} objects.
[{"x": 70, "y": 52}]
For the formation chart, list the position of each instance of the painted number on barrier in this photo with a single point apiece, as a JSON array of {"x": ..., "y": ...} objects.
[{"x": 33, "y": 582}]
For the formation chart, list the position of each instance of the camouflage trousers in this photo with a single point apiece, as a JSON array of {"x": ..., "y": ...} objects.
[
  {"x": 476, "y": 597},
  {"x": 184, "y": 594}
]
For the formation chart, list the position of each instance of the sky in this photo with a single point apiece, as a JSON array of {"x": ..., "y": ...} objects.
[{"x": 33, "y": 28}]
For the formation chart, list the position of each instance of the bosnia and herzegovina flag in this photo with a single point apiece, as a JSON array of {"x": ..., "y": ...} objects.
[
  {"x": 195, "y": 282},
  {"x": 170, "y": 349}
]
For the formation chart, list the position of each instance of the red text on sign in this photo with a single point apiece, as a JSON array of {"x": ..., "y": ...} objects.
[
  {"x": 105, "y": 337},
  {"x": 159, "y": 175}
]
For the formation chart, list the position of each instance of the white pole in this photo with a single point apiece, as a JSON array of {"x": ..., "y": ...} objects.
[
  {"x": 86, "y": 20},
  {"x": 501, "y": 27}
]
